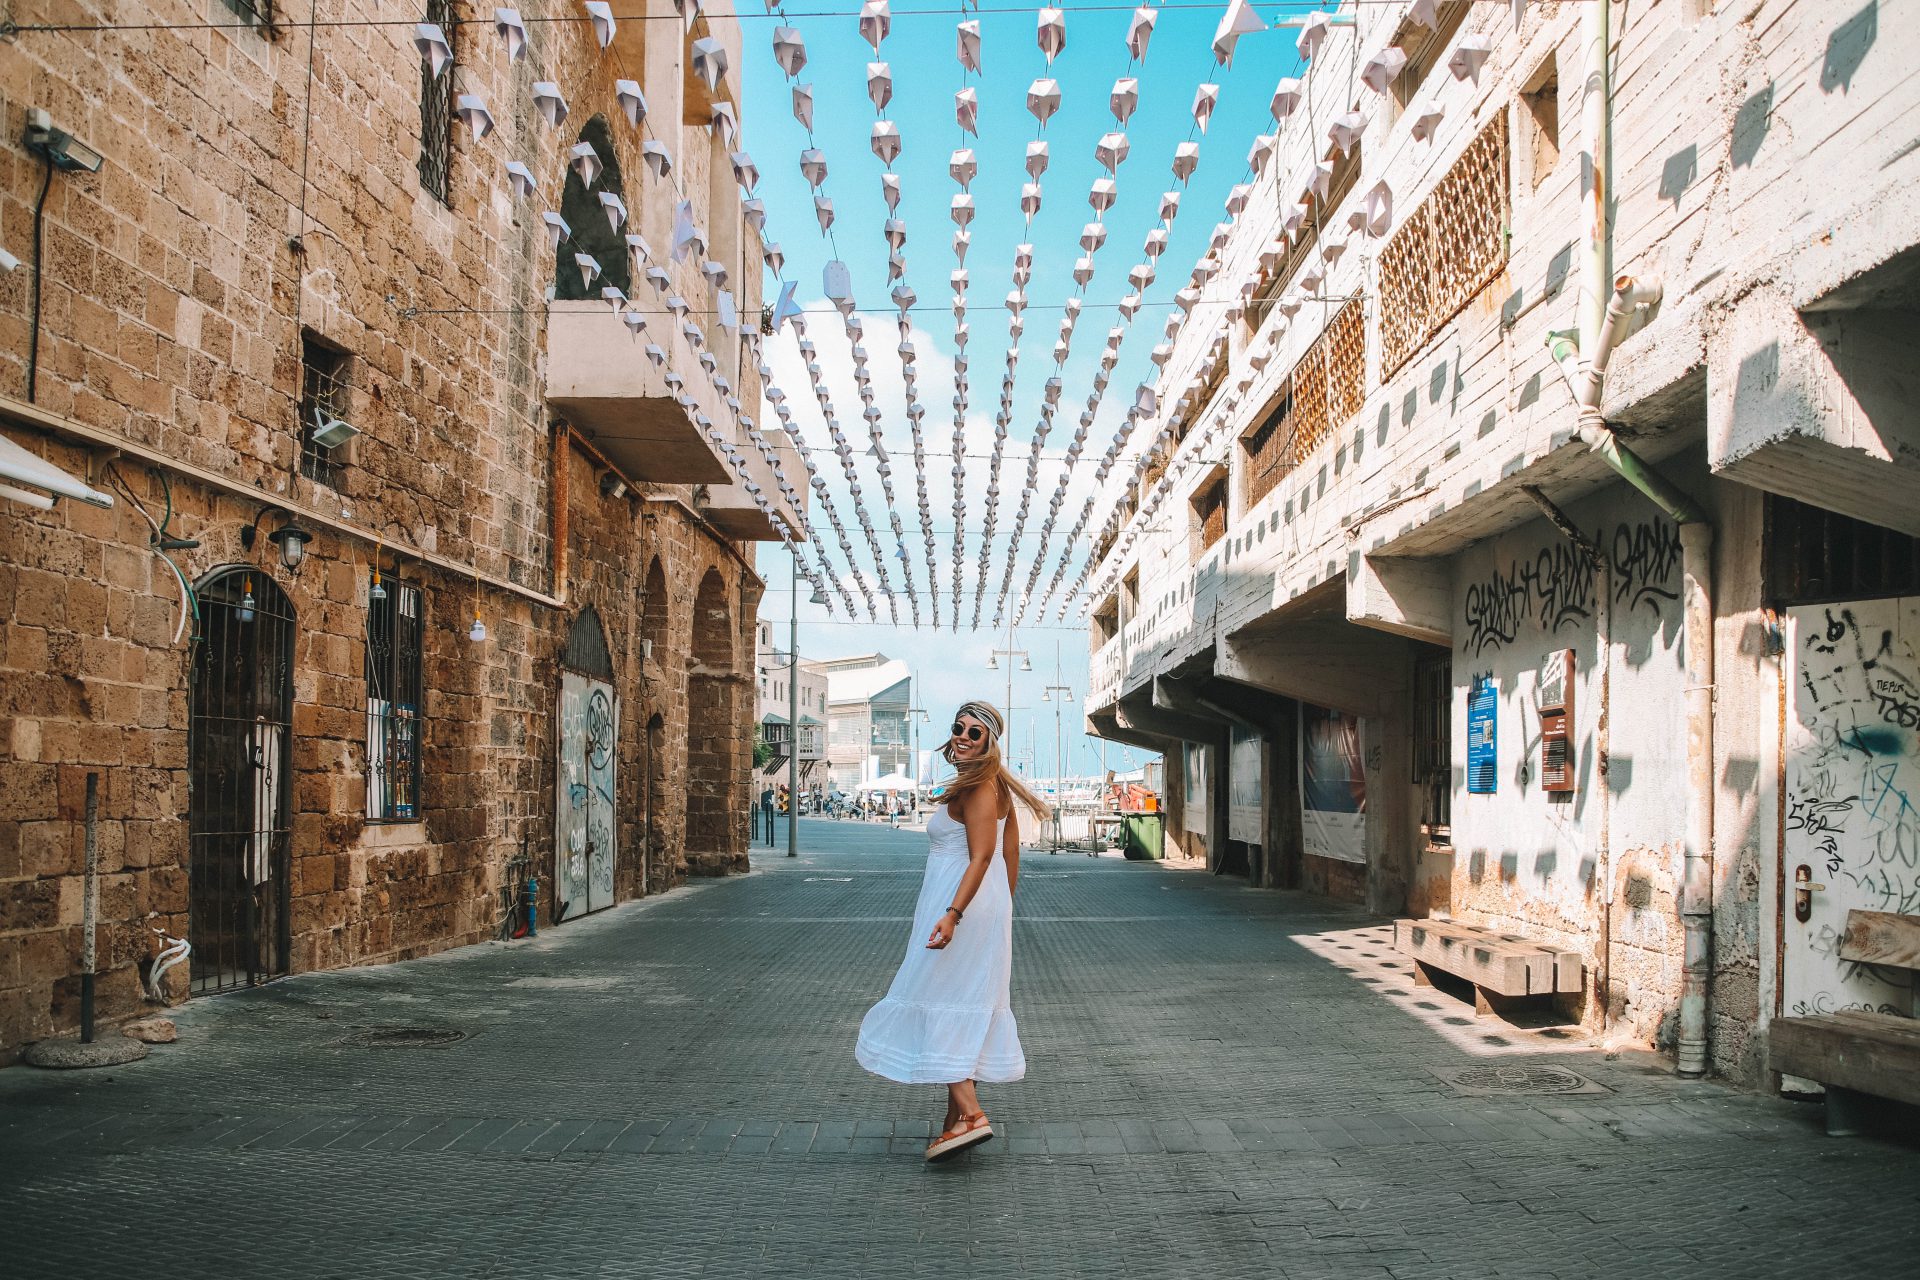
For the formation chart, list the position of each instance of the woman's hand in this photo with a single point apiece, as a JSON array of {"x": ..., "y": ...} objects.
[{"x": 942, "y": 932}]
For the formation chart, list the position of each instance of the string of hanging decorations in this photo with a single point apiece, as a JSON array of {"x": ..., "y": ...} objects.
[
  {"x": 1303, "y": 226},
  {"x": 669, "y": 349}
]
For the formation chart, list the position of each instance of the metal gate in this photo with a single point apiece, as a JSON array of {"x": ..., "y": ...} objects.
[
  {"x": 239, "y": 739},
  {"x": 1853, "y": 797},
  {"x": 588, "y": 755}
]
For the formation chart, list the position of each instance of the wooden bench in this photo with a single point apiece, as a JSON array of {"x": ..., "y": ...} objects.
[
  {"x": 1857, "y": 1052},
  {"x": 1501, "y": 966}
]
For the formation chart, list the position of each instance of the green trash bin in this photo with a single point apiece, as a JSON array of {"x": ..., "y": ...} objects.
[{"x": 1142, "y": 838}]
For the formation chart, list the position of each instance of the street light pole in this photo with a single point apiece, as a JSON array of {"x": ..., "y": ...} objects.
[{"x": 793, "y": 714}]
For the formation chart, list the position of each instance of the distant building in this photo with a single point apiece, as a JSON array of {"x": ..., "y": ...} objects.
[
  {"x": 773, "y": 672},
  {"x": 869, "y": 726}
]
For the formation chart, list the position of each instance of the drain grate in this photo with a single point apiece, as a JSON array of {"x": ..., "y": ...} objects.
[
  {"x": 403, "y": 1037},
  {"x": 1512, "y": 1078}
]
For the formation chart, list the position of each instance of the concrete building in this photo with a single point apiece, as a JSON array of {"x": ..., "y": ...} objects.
[
  {"x": 775, "y": 707},
  {"x": 1436, "y": 609},
  {"x": 869, "y": 720},
  {"x": 413, "y": 582}
]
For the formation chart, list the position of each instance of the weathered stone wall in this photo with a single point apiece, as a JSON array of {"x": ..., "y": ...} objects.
[{"x": 256, "y": 191}]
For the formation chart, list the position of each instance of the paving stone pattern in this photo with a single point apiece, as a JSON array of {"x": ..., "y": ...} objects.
[{"x": 1223, "y": 1082}]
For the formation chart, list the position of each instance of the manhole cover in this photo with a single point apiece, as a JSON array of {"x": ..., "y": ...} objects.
[
  {"x": 403, "y": 1037},
  {"x": 1506, "y": 1078}
]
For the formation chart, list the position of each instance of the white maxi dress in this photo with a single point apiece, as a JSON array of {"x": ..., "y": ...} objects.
[{"x": 946, "y": 1016}]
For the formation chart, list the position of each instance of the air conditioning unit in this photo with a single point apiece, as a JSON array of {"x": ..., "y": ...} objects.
[{"x": 330, "y": 432}]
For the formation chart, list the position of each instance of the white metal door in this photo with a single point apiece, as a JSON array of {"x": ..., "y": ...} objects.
[
  {"x": 1853, "y": 796},
  {"x": 584, "y": 804}
]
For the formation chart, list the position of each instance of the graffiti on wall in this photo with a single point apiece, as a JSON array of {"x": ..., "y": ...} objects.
[
  {"x": 1853, "y": 793},
  {"x": 1557, "y": 587}
]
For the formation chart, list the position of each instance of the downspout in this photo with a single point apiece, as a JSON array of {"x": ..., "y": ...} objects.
[{"x": 1603, "y": 317}]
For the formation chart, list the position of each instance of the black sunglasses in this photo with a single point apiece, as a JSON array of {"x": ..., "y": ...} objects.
[{"x": 971, "y": 734}]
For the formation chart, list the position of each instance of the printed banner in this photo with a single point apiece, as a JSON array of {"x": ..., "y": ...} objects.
[
  {"x": 1245, "y": 807},
  {"x": 1333, "y": 787}
]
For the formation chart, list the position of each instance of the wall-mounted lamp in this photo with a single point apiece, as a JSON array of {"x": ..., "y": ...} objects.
[
  {"x": 246, "y": 600},
  {"x": 611, "y": 485},
  {"x": 290, "y": 537},
  {"x": 60, "y": 149}
]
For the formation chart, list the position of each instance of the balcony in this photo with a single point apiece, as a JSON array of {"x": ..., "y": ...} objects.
[{"x": 600, "y": 379}]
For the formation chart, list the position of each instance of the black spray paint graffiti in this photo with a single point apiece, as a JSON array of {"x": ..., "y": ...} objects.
[{"x": 1556, "y": 588}]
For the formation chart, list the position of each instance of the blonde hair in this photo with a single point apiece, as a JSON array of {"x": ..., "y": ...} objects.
[{"x": 988, "y": 771}]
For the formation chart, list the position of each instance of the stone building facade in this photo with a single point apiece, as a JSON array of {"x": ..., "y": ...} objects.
[
  {"x": 518, "y": 640},
  {"x": 1406, "y": 634}
]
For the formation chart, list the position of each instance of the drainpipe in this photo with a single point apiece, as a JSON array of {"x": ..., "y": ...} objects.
[{"x": 1603, "y": 317}]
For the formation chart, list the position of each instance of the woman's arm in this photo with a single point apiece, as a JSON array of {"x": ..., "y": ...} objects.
[
  {"x": 1012, "y": 851},
  {"x": 982, "y": 829}
]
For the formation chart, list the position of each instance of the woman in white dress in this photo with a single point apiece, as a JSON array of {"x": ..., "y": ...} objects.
[{"x": 945, "y": 1020}]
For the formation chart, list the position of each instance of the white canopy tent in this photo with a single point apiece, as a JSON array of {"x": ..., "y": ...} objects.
[{"x": 890, "y": 782}]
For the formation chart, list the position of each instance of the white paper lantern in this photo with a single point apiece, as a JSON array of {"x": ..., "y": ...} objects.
[
  {"x": 1111, "y": 151},
  {"x": 1205, "y": 98},
  {"x": 1124, "y": 99},
  {"x": 550, "y": 102},
  {"x": 654, "y": 155},
  {"x": 1426, "y": 122},
  {"x": 585, "y": 161},
  {"x": 803, "y": 106},
  {"x": 813, "y": 167},
  {"x": 1140, "y": 31},
  {"x": 967, "y": 44},
  {"x": 885, "y": 141},
  {"x": 615, "y": 209},
  {"x": 601, "y": 15},
  {"x": 1313, "y": 34},
  {"x": 1186, "y": 158},
  {"x": 1102, "y": 194},
  {"x": 1030, "y": 199},
  {"x": 1240, "y": 19},
  {"x": 1037, "y": 157},
  {"x": 879, "y": 84},
  {"x": 963, "y": 167},
  {"x": 434, "y": 48},
  {"x": 1043, "y": 99},
  {"x": 1346, "y": 131},
  {"x": 512, "y": 31},
  {"x": 789, "y": 50},
  {"x": 519, "y": 179},
  {"x": 1051, "y": 33},
  {"x": 1469, "y": 56},
  {"x": 876, "y": 21},
  {"x": 1382, "y": 68},
  {"x": 966, "y": 110}
]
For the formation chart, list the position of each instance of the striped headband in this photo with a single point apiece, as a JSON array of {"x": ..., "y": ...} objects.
[{"x": 986, "y": 715}]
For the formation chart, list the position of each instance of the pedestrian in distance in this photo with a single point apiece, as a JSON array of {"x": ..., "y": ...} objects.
[{"x": 946, "y": 1018}]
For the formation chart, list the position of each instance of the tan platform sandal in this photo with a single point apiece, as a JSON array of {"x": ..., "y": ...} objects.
[{"x": 968, "y": 1131}]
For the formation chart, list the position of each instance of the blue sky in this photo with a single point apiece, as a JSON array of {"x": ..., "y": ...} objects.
[{"x": 926, "y": 74}]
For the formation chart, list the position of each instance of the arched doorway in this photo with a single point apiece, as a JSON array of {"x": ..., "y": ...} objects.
[
  {"x": 590, "y": 232},
  {"x": 586, "y": 767},
  {"x": 239, "y": 748},
  {"x": 716, "y": 799}
]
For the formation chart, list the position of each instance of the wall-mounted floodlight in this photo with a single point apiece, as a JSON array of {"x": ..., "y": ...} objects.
[{"x": 60, "y": 149}]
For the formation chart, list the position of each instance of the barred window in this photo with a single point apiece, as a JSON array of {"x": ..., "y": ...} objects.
[
  {"x": 1210, "y": 512},
  {"x": 1433, "y": 743},
  {"x": 436, "y": 112},
  {"x": 1447, "y": 250},
  {"x": 395, "y": 631},
  {"x": 323, "y": 388},
  {"x": 1326, "y": 388},
  {"x": 257, "y": 12}
]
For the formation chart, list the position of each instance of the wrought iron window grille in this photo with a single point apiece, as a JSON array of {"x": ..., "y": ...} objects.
[
  {"x": 323, "y": 396},
  {"x": 436, "y": 110},
  {"x": 396, "y": 632}
]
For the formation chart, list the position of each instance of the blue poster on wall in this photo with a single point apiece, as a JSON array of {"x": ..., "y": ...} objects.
[{"x": 1482, "y": 715}]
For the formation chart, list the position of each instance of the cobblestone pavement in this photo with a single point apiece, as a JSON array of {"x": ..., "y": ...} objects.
[{"x": 1223, "y": 1082}]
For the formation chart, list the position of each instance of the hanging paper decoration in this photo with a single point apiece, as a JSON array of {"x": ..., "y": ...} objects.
[
  {"x": 1092, "y": 236},
  {"x": 615, "y": 209},
  {"x": 1124, "y": 99},
  {"x": 1313, "y": 34},
  {"x": 584, "y": 161},
  {"x": 1111, "y": 151},
  {"x": 614, "y": 297},
  {"x": 1378, "y": 209},
  {"x": 813, "y": 167},
  {"x": 1237, "y": 198},
  {"x": 1294, "y": 216},
  {"x": 557, "y": 228},
  {"x": 685, "y": 234},
  {"x": 961, "y": 210},
  {"x": 1036, "y": 159},
  {"x": 1382, "y": 68},
  {"x": 1102, "y": 194},
  {"x": 722, "y": 124},
  {"x": 1186, "y": 158},
  {"x": 1469, "y": 56},
  {"x": 785, "y": 308},
  {"x": 1346, "y": 130},
  {"x": 1322, "y": 181},
  {"x": 1043, "y": 99},
  {"x": 895, "y": 232},
  {"x": 632, "y": 102},
  {"x": 601, "y": 13},
  {"x": 879, "y": 84},
  {"x": 512, "y": 32},
  {"x": 1030, "y": 199},
  {"x": 550, "y": 102},
  {"x": 589, "y": 268},
  {"x": 967, "y": 44},
  {"x": 789, "y": 50},
  {"x": 803, "y": 106},
  {"x": 962, "y": 241},
  {"x": 1082, "y": 276},
  {"x": 1156, "y": 243},
  {"x": 1286, "y": 99},
  {"x": 885, "y": 141},
  {"x": 636, "y": 322},
  {"x": 519, "y": 178},
  {"x": 1051, "y": 33},
  {"x": 1239, "y": 20},
  {"x": 890, "y": 191},
  {"x": 1140, "y": 31},
  {"x": 966, "y": 110},
  {"x": 710, "y": 61},
  {"x": 755, "y": 213},
  {"x": 1426, "y": 122},
  {"x": 662, "y": 282},
  {"x": 1204, "y": 99},
  {"x": 1331, "y": 250},
  {"x": 1169, "y": 206},
  {"x": 1311, "y": 277},
  {"x": 745, "y": 172},
  {"x": 1260, "y": 152},
  {"x": 876, "y": 20},
  {"x": 963, "y": 167},
  {"x": 431, "y": 41},
  {"x": 715, "y": 272}
]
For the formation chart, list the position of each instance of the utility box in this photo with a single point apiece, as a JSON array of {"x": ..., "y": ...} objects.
[{"x": 1556, "y": 722}]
